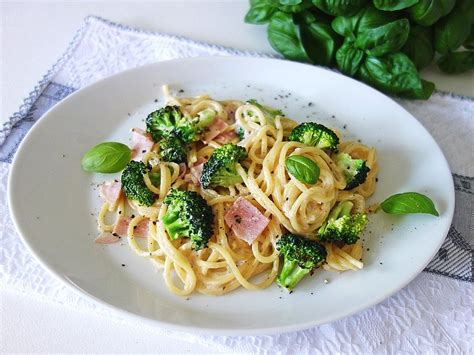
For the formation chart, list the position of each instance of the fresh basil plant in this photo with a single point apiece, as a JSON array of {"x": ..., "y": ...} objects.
[{"x": 381, "y": 42}]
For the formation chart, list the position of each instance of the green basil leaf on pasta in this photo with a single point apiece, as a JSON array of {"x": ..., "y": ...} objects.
[
  {"x": 108, "y": 157},
  {"x": 302, "y": 169},
  {"x": 409, "y": 202}
]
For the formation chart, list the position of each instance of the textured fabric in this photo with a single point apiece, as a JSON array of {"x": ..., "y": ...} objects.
[{"x": 432, "y": 314}]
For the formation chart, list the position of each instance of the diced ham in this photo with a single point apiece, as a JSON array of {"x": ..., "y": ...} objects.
[
  {"x": 182, "y": 170},
  {"x": 110, "y": 191},
  {"x": 225, "y": 137},
  {"x": 121, "y": 227},
  {"x": 245, "y": 220},
  {"x": 216, "y": 128},
  {"x": 230, "y": 109},
  {"x": 106, "y": 238},
  {"x": 196, "y": 172},
  {"x": 142, "y": 143},
  {"x": 200, "y": 160}
]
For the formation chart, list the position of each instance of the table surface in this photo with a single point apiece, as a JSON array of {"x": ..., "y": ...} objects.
[{"x": 33, "y": 36}]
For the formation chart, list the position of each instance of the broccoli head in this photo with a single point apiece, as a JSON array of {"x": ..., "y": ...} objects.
[
  {"x": 354, "y": 170},
  {"x": 300, "y": 256},
  {"x": 188, "y": 215},
  {"x": 173, "y": 149},
  {"x": 162, "y": 122},
  {"x": 220, "y": 169},
  {"x": 190, "y": 129},
  {"x": 133, "y": 184},
  {"x": 314, "y": 134},
  {"x": 268, "y": 111},
  {"x": 341, "y": 226}
]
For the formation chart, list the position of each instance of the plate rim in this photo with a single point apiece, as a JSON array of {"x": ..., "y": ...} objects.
[{"x": 117, "y": 311}]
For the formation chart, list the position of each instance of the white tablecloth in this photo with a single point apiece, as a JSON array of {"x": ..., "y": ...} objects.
[{"x": 432, "y": 313}]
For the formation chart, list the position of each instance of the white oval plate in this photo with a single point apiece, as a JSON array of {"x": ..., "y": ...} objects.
[{"x": 51, "y": 198}]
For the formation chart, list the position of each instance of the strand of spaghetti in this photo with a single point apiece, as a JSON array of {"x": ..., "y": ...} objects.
[
  {"x": 173, "y": 255},
  {"x": 358, "y": 264},
  {"x": 234, "y": 268}
]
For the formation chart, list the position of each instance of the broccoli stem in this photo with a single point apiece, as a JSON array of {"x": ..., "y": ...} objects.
[
  {"x": 291, "y": 274},
  {"x": 206, "y": 117},
  {"x": 343, "y": 209},
  {"x": 174, "y": 226}
]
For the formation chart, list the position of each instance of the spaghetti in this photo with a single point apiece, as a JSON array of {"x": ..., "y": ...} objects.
[{"x": 290, "y": 205}]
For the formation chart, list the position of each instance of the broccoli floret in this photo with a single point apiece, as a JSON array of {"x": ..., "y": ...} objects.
[
  {"x": 188, "y": 215},
  {"x": 314, "y": 134},
  {"x": 341, "y": 226},
  {"x": 173, "y": 149},
  {"x": 220, "y": 169},
  {"x": 240, "y": 133},
  {"x": 268, "y": 111},
  {"x": 133, "y": 184},
  {"x": 300, "y": 256},
  {"x": 162, "y": 122},
  {"x": 354, "y": 170},
  {"x": 190, "y": 129}
]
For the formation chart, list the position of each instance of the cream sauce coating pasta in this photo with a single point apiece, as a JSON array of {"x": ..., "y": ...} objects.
[{"x": 229, "y": 263}]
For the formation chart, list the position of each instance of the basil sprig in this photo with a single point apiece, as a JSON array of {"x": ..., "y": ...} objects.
[
  {"x": 303, "y": 169},
  {"x": 409, "y": 202},
  {"x": 108, "y": 157}
]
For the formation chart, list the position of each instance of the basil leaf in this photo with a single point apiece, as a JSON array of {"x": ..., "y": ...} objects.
[
  {"x": 409, "y": 202},
  {"x": 340, "y": 7},
  {"x": 318, "y": 39},
  {"x": 427, "y": 12},
  {"x": 467, "y": 7},
  {"x": 423, "y": 93},
  {"x": 290, "y": 2},
  {"x": 364, "y": 20},
  {"x": 283, "y": 37},
  {"x": 108, "y": 157},
  {"x": 301, "y": 6},
  {"x": 303, "y": 169},
  {"x": 451, "y": 31},
  {"x": 469, "y": 42},
  {"x": 349, "y": 58},
  {"x": 260, "y": 12},
  {"x": 457, "y": 62},
  {"x": 393, "y": 5},
  {"x": 385, "y": 39},
  {"x": 418, "y": 46},
  {"x": 393, "y": 73}
]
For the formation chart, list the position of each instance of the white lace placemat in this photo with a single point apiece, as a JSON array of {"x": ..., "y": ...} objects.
[{"x": 432, "y": 314}]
